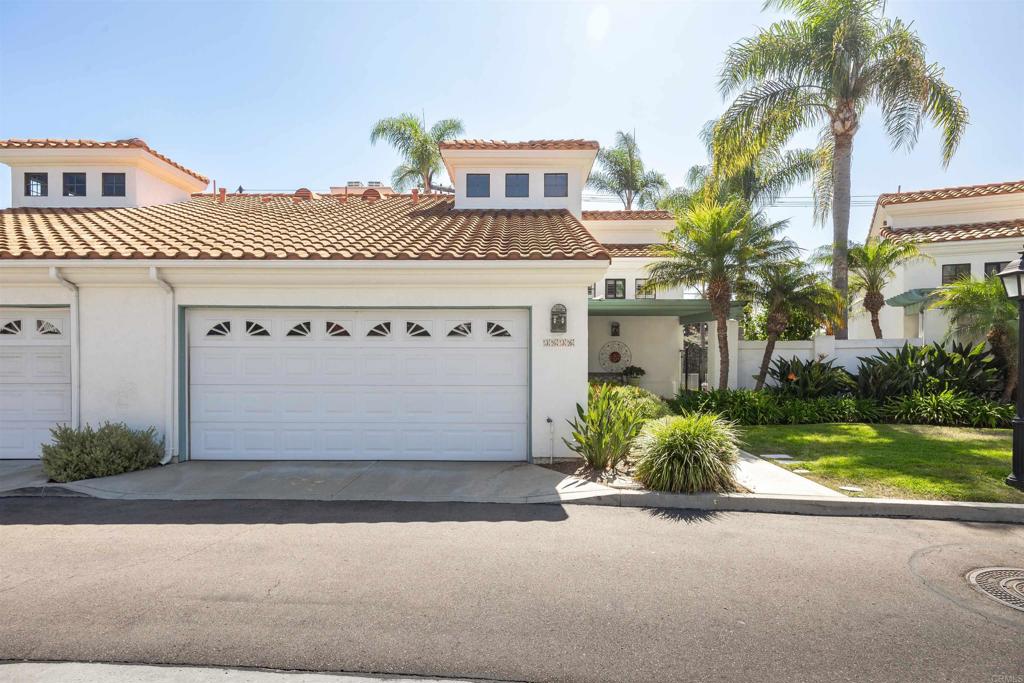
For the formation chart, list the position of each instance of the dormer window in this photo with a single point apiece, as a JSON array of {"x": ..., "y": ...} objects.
[
  {"x": 478, "y": 185},
  {"x": 556, "y": 184},
  {"x": 517, "y": 184},
  {"x": 113, "y": 184},
  {"x": 36, "y": 184},
  {"x": 74, "y": 184}
]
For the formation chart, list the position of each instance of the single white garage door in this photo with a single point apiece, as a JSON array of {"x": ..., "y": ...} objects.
[
  {"x": 358, "y": 384},
  {"x": 35, "y": 378}
]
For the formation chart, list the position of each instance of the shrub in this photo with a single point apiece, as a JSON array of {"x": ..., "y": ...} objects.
[
  {"x": 112, "y": 449},
  {"x": 985, "y": 413},
  {"x": 930, "y": 369},
  {"x": 809, "y": 379},
  {"x": 687, "y": 454},
  {"x": 603, "y": 431},
  {"x": 643, "y": 403},
  {"x": 945, "y": 408},
  {"x": 739, "y": 405},
  {"x": 962, "y": 369}
]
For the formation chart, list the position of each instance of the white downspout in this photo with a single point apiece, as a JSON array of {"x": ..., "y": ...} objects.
[
  {"x": 169, "y": 417},
  {"x": 76, "y": 353}
]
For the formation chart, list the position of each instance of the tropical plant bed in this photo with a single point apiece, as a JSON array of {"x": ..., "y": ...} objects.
[{"x": 896, "y": 461}]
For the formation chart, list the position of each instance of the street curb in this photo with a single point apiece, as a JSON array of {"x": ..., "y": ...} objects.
[{"x": 952, "y": 511}]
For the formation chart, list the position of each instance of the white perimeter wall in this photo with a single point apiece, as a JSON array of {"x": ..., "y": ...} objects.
[
  {"x": 128, "y": 334},
  {"x": 846, "y": 353}
]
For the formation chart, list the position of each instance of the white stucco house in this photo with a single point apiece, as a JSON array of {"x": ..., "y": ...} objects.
[
  {"x": 344, "y": 325},
  {"x": 970, "y": 230}
]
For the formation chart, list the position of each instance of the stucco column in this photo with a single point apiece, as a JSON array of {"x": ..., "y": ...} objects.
[{"x": 823, "y": 345}]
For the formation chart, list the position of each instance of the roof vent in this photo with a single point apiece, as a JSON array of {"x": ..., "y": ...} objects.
[
  {"x": 354, "y": 183},
  {"x": 371, "y": 195},
  {"x": 303, "y": 193},
  {"x": 374, "y": 183}
]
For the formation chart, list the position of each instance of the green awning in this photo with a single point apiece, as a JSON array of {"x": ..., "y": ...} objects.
[
  {"x": 687, "y": 310},
  {"x": 913, "y": 300}
]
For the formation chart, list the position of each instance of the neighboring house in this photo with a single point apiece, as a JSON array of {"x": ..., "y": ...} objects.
[
  {"x": 972, "y": 230},
  {"x": 341, "y": 326},
  {"x": 373, "y": 188}
]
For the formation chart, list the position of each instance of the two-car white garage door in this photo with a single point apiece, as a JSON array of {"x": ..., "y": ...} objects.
[{"x": 416, "y": 384}]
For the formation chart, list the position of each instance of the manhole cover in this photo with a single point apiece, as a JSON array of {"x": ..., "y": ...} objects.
[{"x": 1002, "y": 584}]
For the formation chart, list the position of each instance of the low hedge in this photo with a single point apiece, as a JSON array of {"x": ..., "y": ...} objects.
[
  {"x": 748, "y": 407},
  {"x": 112, "y": 449}
]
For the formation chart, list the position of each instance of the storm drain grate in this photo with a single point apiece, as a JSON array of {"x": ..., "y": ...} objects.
[{"x": 1002, "y": 584}]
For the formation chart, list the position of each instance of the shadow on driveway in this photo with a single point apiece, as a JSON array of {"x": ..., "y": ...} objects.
[{"x": 72, "y": 511}]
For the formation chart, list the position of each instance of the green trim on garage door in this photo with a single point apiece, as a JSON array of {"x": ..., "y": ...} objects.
[{"x": 182, "y": 385}]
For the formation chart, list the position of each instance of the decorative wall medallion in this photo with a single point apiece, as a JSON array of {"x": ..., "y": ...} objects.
[{"x": 614, "y": 356}]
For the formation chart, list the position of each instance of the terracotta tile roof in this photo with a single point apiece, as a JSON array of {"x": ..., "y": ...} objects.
[
  {"x": 528, "y": 144},
  {"x": 273, "y": 227},
  {"x": 962, "y": 192},
  {"x": 955, "y": 233},
  {"x": 627, "y": 216},
  {"x": 78, "y": 144},
  {"x": 630, "y": 250}
]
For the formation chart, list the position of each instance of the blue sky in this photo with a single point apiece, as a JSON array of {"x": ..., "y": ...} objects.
[{"x": 283, "y": 95}]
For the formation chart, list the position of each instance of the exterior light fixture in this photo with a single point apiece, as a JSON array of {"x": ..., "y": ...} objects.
[
  {"x": 558, "y": 319},
  {"x": 1013, "y": 282},
  {"x": 615, "y": 329}
]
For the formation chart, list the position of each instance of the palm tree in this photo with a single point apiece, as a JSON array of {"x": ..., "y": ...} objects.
[
  {"x": 418, "y": 146},
  {"x": 789, "y": 288},
  {"x": 872, "y": 267},
  {"x": 766, "y": 176},
  {"x": 623, "y": 174},
  {"x": 980, "y": 309},
  {"x": 822, "y": 70},
  {"x": 717, "y": 248}
]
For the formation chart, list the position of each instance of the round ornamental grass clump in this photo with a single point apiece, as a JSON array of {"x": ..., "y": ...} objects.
[{"x": 687, "y": 454}]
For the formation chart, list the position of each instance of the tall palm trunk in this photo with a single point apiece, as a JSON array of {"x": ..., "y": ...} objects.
[
  {"x": 1001, "y": 350},
  {"x": 843, "y": 127},
  {"x": 775, "y": 326},
  {"x": 719, "y": 297},
  {"x": 873, "y": 302},
  {"x": 426, "y": 183}
]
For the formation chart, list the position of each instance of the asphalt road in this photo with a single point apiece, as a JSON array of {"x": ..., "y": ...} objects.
[{"x": 529, "y": 593}]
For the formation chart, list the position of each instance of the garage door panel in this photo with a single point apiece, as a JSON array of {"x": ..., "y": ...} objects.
[
  {"x": 35, "y": 378},
  {"x": 412, "y": 393}
]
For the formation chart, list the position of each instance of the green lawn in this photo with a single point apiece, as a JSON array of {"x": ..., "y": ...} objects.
[{"x": 897, "y": 461}]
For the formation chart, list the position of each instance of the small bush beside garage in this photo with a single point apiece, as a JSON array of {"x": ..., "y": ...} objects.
[{"x": 86, "y": 453}]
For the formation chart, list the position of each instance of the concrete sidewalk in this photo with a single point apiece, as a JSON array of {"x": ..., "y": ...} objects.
[{"x": 757, "y": 475}]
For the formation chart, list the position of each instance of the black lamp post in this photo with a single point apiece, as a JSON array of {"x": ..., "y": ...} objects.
[{"x": 1013, "y": 281}]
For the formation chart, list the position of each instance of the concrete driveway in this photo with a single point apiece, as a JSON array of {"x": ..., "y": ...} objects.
[
  {"x": 504, "y": 592},
  {"x": 422, "y": 482}
]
